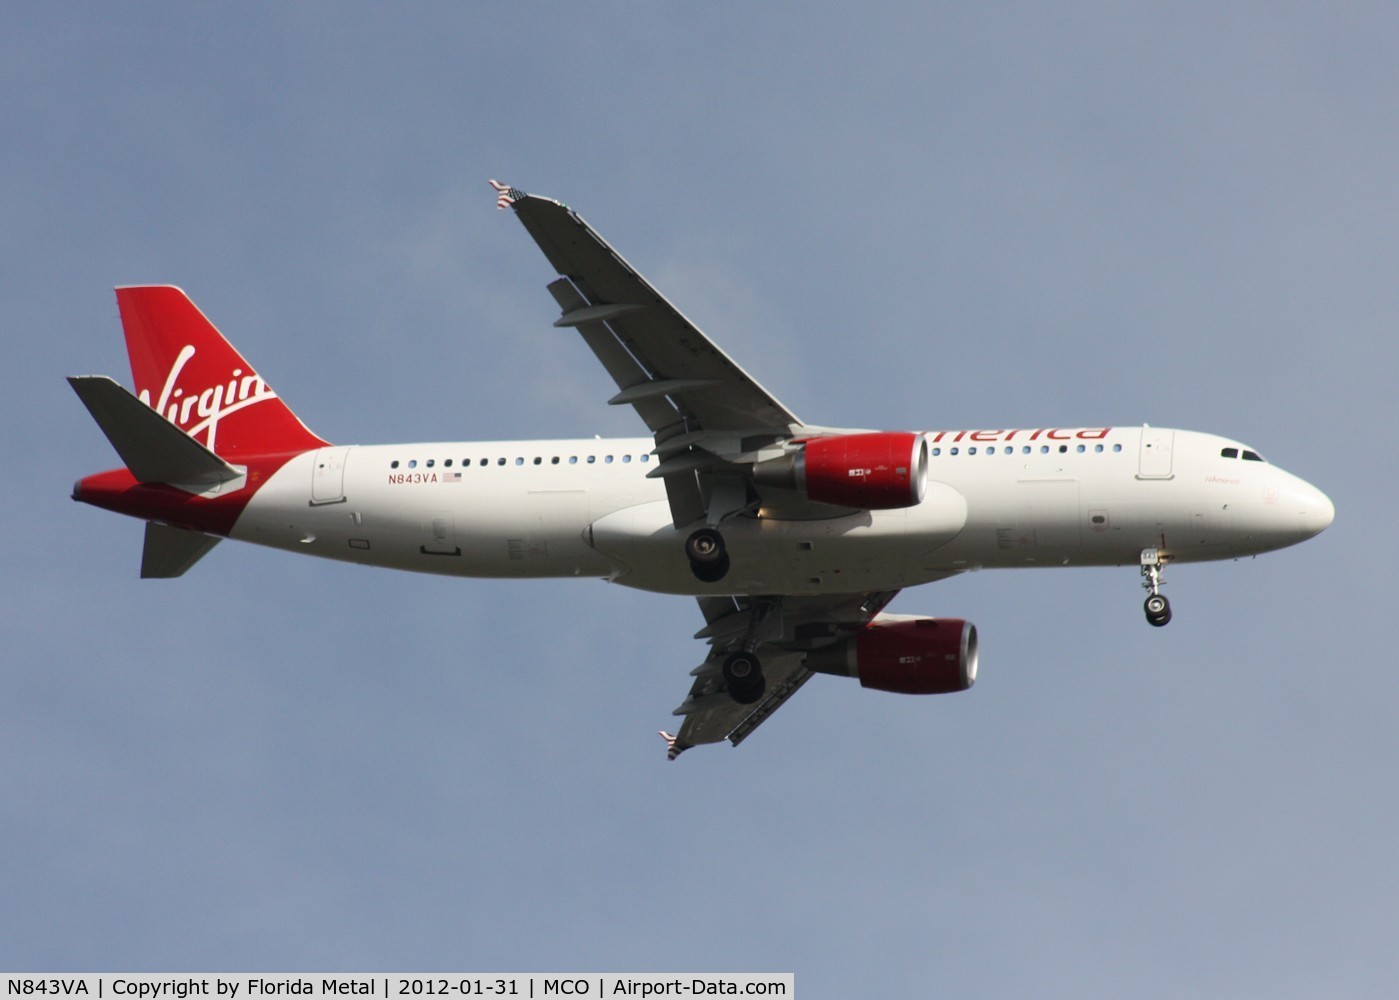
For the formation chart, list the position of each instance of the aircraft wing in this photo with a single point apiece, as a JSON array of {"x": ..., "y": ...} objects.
[
  {"x": 780, "y": 631},
  {"x": 708, "y": 415}
]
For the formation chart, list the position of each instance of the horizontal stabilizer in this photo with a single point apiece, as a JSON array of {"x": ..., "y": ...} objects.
[
  {"x": 170, "y": 551},
  {"x": 154, "y": 449}
]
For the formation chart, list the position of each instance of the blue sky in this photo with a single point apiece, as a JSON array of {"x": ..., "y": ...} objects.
[{"x": 918, "y": 216}]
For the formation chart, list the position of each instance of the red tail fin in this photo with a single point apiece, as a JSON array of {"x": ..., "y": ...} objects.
[{"x": 192, "y": 376}]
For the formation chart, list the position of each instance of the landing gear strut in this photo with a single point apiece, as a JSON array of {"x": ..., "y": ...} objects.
[
  {"x": 1157, "y": 608},
  {"x": 709, "y": 560}
]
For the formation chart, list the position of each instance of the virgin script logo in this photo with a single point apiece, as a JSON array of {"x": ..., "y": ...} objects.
[{"x": 198, "y": 412}]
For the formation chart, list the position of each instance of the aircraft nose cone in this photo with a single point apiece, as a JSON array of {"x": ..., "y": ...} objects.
[
  {"x": 1292, "y": 511},
  {"x": 1317, "y": 512}
]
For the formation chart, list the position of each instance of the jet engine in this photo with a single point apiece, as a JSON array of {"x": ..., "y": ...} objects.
[
  {"x": 878, "y": 471},
  {"x": 905, "y": 655}
]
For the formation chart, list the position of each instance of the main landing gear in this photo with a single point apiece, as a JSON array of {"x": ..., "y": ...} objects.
[
  {"x": 743, "y": 675},
  {"x": 742, "y": 670},
  {"x": 709, "y": 560},
  {"x": 1157, "y": 608}
]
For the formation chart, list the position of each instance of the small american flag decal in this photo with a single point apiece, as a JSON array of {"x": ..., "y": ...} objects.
[{"x": 505, "y": 194}]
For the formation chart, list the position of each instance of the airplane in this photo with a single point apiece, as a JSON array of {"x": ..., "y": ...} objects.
[{"x": 792, "y": 537}]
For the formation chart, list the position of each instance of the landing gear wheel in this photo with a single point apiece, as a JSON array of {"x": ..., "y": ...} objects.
[
  {"x": 1157, "y": 608},
  {"x": 705, "y": 546},
  {"x": 709, "y": 560},
  {"x": 743, "y": 674}
]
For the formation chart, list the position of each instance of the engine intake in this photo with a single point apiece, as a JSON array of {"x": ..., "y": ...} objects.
[
  {"x": 877, "y": 471},
  {"x": 905, "y": 655}
]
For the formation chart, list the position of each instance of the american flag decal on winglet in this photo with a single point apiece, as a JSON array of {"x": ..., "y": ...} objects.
[
  {"x": 506, "y": 195},
  {"x": 673, "y": 747}
]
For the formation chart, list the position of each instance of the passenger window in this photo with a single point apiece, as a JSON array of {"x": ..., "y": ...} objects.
[
  {"x": 971, "y": 450},
  {"x": 645, "y": 458},
  {"x": 608, "y": 459},
  {"x": 538, "y": 460},
  {"x": 430, "y": 462},
  {"x": 412, "y": 463},
  {"x": 393, "y": 464},
  {"x": 592, "y": 459},
  {"x": 1097, "y": 447},
  {"x": 936, "y": 451},
  {"x": 500, "y": 461},
  {"x": 1117, "y": 447},
  {"x": 626, "y": 458},
  {"x": 572, "y": 459},
  {"x": 447, "y": 464},
  {"x": 554, "y": 460},
  {"x": 519, "y": 461},
  {"x": 954, "y": 451},
  {"x": 1025, "y": 449},
  {"x": 1081, "y": 449}
]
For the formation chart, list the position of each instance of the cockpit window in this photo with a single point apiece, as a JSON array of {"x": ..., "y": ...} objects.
[{"x": 1247, "y": 456}]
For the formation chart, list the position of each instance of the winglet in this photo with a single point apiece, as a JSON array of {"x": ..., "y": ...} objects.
[
  {"x": 506, "y": 195},
  {"x": 674, "y": 747}
]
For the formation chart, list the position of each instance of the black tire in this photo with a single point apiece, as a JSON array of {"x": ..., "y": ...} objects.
[
  {"x": 743, "y": 675},
  {"x": 709, "y": 559},
  {"x": 710, "y": 572},
  {"x": 1158, "y": 610}
]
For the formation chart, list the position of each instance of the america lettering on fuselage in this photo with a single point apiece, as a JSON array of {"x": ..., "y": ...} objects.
[{"x": 793, "y": 537}]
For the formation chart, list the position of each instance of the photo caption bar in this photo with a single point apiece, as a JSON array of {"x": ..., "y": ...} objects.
[{"x": 392, "y": 986}]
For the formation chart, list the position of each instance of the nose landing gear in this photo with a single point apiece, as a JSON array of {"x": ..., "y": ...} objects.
[{"x": 1157, "y": 608}]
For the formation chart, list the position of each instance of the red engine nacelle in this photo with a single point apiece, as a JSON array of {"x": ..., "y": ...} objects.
[
  {"x": 879, "y": 471},
  {"x": 906, "y": 656}
]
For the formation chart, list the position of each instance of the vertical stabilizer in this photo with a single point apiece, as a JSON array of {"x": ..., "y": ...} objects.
[{"x": 186, "y": 371}]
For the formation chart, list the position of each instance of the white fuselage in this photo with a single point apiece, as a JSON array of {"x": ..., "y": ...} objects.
[{"x": 585, "y": 508}]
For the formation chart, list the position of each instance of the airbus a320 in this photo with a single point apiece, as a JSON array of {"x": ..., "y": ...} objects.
[{"x": 792, "y": 537}]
